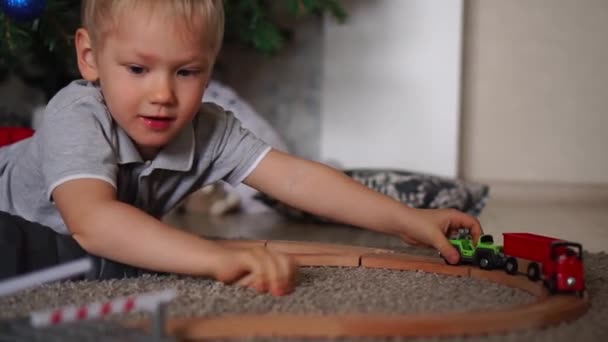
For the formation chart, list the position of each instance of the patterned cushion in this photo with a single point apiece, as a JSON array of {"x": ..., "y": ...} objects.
[{"x": 416, "y": 190}]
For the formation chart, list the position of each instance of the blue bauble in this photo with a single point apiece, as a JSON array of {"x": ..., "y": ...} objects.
[{"x": 23, "y": 10}]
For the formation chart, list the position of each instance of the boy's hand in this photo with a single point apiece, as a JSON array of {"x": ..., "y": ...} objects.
[
  {"x": 433, "y": 225},
  {"x": 259, "y": 268}
]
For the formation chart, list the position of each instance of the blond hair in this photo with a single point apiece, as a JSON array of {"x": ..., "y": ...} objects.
[{"x": 207, "y": 16}]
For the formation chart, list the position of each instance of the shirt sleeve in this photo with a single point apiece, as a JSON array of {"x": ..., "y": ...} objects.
[
  {"x": 237, "y": 150},
  {"x": 74, "y": 144}
]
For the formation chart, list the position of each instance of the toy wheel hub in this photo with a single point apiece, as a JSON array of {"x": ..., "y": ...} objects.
[{"x": 571, "y": 281}]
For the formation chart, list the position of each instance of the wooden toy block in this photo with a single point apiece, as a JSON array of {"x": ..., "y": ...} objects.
[
  {"x": 549, "y": 311},
  {"x": 544, "y": 311},
  {"x": 556, "y": 309},
  {"x": 301, "y": 247},
  {"x": 327, "y": 260},
  {"x": 243, "y": 243},
  {"x": 412, "y": 263},
  {"x": 521, "y": 282}
]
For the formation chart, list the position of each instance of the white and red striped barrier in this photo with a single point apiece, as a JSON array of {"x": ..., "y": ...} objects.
[
  {"x": 143, "y": 302},
  {"x": 47, "y": 275}
]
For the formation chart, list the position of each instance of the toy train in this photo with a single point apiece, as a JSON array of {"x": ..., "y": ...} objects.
[{"x": 557, "y": 262}]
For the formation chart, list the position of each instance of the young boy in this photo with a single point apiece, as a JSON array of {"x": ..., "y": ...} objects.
[{"x": 120, "y": 148}]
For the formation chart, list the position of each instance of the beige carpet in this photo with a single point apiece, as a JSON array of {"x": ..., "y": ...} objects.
[
  {"x": 335, "y": 290},
  {"x": 327, "y": 290}
]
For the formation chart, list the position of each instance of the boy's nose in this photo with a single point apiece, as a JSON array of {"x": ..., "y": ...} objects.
[{"x": 163, "y": 92}]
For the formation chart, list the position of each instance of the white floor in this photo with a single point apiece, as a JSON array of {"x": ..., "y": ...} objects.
[{"x": 583, "y": 223}]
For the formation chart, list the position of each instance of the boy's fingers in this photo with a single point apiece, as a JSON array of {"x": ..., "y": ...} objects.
[
  {"x": 267, "y": 270},
  {"x": 287, "y": 270},
  {"x": 473, "y": 225},
  {"x": 447, "y": 250},
  {"x": 280, "y": 281},
  {"x": 245, "y": 281},
  {"x": 253, "y": 262},
  {"x": 462, "y": 220},
  {"x": 273, "y": 270}
]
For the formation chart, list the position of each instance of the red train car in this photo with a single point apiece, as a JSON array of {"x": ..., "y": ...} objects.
[{"x": 559, "y": 263}]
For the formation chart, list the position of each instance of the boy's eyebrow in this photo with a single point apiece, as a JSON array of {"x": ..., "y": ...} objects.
[
  {"x": 187, "y": 60},
  {"x": 144, "y": 56}
]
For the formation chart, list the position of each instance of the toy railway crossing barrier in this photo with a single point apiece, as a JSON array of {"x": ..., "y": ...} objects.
[
  {"x": 67, "y": 270},
  {"x": 143, "y": 302},
  {"x": 154, "y": 302}
]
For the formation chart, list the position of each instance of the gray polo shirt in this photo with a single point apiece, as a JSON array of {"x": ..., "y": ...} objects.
[{"x": 79, "y": 139}]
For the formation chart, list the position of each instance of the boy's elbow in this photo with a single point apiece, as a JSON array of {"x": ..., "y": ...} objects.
[
  {"x": 86, "y": 242},
  {"x": 86, "y": 229},
  {"x": 88, "y": 236}
]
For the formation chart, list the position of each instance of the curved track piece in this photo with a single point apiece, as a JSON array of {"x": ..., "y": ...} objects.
[{"x": 546, "y": 310}]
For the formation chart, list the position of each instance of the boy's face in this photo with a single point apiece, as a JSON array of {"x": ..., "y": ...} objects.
[{"x": 153, "y": 72}]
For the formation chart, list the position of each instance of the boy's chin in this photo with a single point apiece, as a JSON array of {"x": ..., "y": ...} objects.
[
  {"x": 148, "y": 150},
  {"x": 147, "y": 153},
  {"x": 153, "y": 141}
]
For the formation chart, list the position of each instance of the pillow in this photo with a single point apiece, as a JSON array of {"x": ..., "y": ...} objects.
[{"x": 417, "y": 190}]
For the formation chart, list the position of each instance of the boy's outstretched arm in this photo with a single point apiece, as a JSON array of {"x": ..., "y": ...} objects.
[
  {"x": 106, "y": 227},
  {"x": 330, "y": 193}
]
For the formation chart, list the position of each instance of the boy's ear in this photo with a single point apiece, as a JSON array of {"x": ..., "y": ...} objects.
[{"x": 84, "y": 54}]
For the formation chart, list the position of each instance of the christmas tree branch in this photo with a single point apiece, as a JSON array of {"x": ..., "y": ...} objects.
[{"x": 47, "y": 41}]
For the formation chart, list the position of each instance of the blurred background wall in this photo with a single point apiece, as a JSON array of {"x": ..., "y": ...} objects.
[
  {"x": 391, "y": 86},
  {"x": 510, "y": 93},
  {"x": 386, "y": 89},
  {"x": 535, "y": 85}
]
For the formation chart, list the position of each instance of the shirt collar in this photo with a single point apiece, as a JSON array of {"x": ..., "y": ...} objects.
[{"x": 178, "y": 155}]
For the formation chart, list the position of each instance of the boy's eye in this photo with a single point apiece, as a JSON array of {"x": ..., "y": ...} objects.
[
  {"x": 188, "y": 72},
  {"x": 136, "y": 69}
]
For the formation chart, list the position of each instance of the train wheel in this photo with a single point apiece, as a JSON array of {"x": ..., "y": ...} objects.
[
  {"x": 484, "y": 263},
  {"x": 533, "y": 271},
  {"x": 511, "y": 266},
  {"x": 552, "y": 284},
  {"x": 485, "y": 260}
]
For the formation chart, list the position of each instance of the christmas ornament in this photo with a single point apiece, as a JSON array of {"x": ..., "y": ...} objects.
[{"x": 23, "y": 10}]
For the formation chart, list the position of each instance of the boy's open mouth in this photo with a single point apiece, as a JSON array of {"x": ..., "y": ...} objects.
[{"x": 157, "y": 122}]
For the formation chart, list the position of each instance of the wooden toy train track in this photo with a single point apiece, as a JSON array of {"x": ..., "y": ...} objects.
[{"x": 544, "y": 311}]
